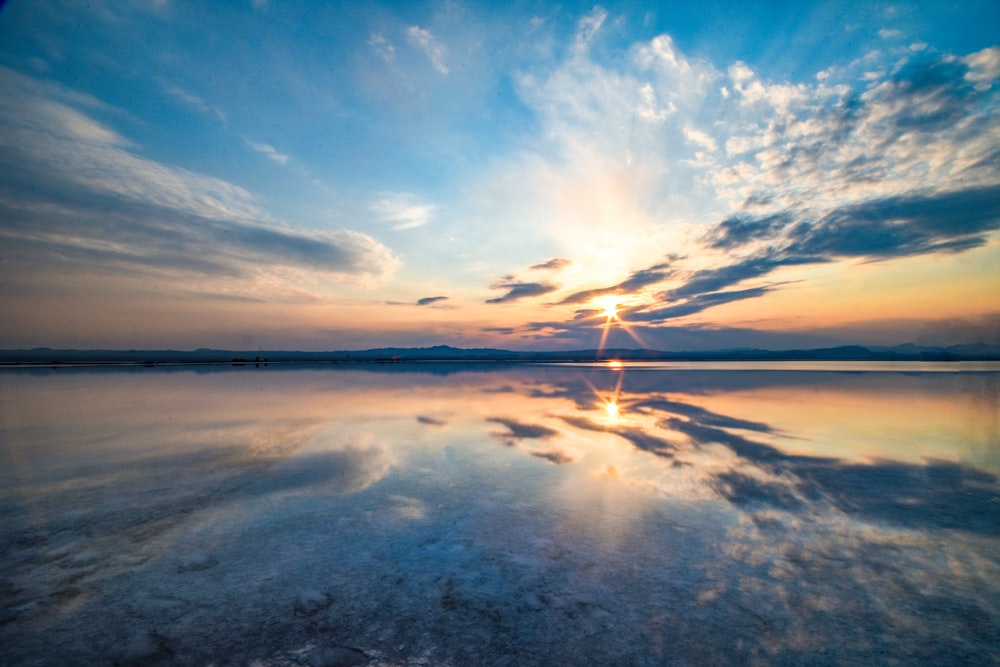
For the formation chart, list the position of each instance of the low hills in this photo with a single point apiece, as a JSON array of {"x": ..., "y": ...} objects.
[{"x": 445, "y": 353}]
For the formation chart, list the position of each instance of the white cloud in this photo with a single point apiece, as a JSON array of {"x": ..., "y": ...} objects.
[
  {"x": 700, "y": 138},
  {"x": 600, "y": 177},
  {"x": 194, "y": 101},
  {"x": 649, "y": 108},
  {"x": 740, "y": 72},
  {"x": 886, "y": 33},
  {"x": 434, "y": 50},
  {"x": 588, "y": 27},
  {"x": 269, "y": 151},
  {"x": 402, "y": 210},
  {"x": 383, "y": 47},
  {"x": 984, "y": 67},
  {"x": 661, "y": 53}
]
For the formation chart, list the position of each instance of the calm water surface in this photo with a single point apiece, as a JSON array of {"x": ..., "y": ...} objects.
[{"x": 519, "y": 515}]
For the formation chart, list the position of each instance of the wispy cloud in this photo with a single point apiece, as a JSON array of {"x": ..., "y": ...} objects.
[
  {"x": 588, "y": 27},
  {"x": 269, "y": 151},
  {"x": 553, "y": 264},
  {"x": 403, "y": 210},
  {"x": 984, "y": 68},
  {"x": 195, "y": 102},
  {"x": 432, "y": 48},
  {"x": 428, "y": 300},
  {"x": 520, "y": 290},
  {"x": 517, "y": 430},
  {"x": 383, "y": 47},
  {"x": 696, "y": 304},
  {"x": 92, "y": 199},
  {"x": 637, "y": 280}
]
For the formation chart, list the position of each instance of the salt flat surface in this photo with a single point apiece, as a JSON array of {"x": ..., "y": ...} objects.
[{"x": 441, "y": 516}]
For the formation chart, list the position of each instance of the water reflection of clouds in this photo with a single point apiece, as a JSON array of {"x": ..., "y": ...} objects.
[
  {"x": 527, "y": 437},
  {"x": 431, "y": 421},
  {"x": 697, "y": 524},
  {"x": 338, "y": 468},
  {"x": 931, "y": 494}
]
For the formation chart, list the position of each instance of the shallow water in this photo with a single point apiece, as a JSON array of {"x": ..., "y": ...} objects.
[{"x": 463, "y": 515}]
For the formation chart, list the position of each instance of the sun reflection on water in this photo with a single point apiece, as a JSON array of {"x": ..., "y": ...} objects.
[{"x": 782, "y": 493}]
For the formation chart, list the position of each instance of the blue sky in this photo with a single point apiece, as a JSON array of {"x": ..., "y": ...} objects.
[{"x": 345, "y": 175}]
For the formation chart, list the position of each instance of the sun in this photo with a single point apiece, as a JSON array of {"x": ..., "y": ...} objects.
[{"x": 609, "y": 305}]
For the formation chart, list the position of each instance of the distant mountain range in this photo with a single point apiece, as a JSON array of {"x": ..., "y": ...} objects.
[{"x": 909, "y": 352}]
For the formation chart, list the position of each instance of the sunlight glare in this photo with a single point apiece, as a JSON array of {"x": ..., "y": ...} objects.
[{"x": 608, "y": 305}]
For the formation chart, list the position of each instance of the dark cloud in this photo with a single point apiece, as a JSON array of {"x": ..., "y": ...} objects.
[
  {"x": 903, "y": 225},
  {"x": 639, "y": 437},
  {"x": 699, "y": 414},
  {"x": 927, "y": 95},
  {"x": 881, "y": 228},
  {"x": 637, "y": 280},
  {"x": 746, "y": 490},
  {"x": 712, "y": 280},
  {"x": 644, "y": 277},
  {"x": 697, "y": 304},
  {"x": 758, "y": 201},
  {"x": 557, "y": 457},
  {"x": 741, "y": 229},
  {"x": 586, "y": 295},
  {"x": 517, "y": 290},
  {"x": 332, "y": 251},
  {"x": 521, "y": 431},
  {"x": 428, "y": 300},
  {"x": 552, "y": 264},
  {"x": 431, "y": 421}
]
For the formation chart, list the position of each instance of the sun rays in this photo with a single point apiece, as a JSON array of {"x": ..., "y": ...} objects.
[
  {"x": 609, "y": 307},
  {"x": 609, "y": 401}
]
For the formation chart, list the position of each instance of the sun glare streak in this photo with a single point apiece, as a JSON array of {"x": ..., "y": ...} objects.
[
  {"x": 609, "y": 401},
  {"x": 604, "y": 336},
  {"x": 609, "y": 306}
]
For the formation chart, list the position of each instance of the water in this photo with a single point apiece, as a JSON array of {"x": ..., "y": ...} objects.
[{"x": 490, "y": 515}]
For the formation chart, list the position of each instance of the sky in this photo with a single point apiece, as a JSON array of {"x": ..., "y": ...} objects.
[{"x": 322, "y": 176}]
